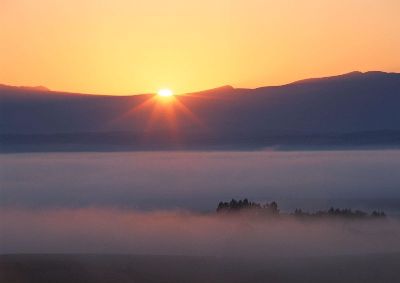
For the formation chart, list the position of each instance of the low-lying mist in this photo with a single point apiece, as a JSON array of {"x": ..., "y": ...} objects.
[
  {"x": 311, "y": 180},
  {"x": 138, "y": 202},
  {"x": 100, "y": 230}
]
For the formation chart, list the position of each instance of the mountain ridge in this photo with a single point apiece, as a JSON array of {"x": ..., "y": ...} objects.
[
  {"x": 333, "y": 111},
  {"x": 215, "y": 89}
]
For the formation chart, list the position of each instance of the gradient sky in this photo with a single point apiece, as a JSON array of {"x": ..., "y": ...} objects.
[{"x": 136, "y": 46}]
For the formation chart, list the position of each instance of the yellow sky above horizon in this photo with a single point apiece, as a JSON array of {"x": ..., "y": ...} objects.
[{"x": 137, "y": 46}]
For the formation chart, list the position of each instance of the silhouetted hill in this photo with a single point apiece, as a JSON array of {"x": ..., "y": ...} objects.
[
  {"x": 27, "y": 88},
  {"x": 355, "y": 109}
]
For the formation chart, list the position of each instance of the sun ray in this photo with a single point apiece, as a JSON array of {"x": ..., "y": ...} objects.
[{"x": 163, "y": 116}]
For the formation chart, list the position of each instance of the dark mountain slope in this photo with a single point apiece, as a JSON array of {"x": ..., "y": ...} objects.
[{"x": 351, "y": 109}]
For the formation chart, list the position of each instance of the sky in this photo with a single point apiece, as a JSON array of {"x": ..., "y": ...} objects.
[{"x": 140, "y": 46}]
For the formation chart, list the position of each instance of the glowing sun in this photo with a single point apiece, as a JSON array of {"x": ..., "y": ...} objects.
[{"x": 165, "y": 92}]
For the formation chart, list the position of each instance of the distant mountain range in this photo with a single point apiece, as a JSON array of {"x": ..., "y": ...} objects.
[{"x": 352, "y": 110}]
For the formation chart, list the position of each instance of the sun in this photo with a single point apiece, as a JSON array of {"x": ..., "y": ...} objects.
[{"x": 165, "y": 92}]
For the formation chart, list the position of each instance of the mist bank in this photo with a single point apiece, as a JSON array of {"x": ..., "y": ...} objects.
[
  {"x": 197, "y": 181},
  {"x": 96, "y": 230}
]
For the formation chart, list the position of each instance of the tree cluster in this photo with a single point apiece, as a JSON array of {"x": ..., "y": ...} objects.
[
  {"x": 272, "y": 209},
  {"x": 246, "y": 205},
  {"x": 337, "y": 212}
]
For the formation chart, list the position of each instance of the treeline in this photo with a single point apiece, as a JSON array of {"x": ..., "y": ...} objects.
[
  {"x": 272, "y": 209},
  {"x": 246, "y": 205},
  {"x": 332, "y": 212}
]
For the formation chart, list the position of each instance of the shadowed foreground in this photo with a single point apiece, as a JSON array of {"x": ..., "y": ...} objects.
[{"x": 129, "y": 268}]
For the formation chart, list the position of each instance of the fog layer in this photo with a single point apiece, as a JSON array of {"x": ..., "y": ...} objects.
[
  {"x": 199, "y": 180},
  {"x": 93, "y": 230},
  {"x": 97, "y": 202}
]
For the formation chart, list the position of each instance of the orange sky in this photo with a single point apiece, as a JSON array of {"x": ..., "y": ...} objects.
[{"x": 136, "y": 46}]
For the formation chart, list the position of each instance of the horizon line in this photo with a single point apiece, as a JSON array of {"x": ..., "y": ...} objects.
[{"x": 46, "y": 89}]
